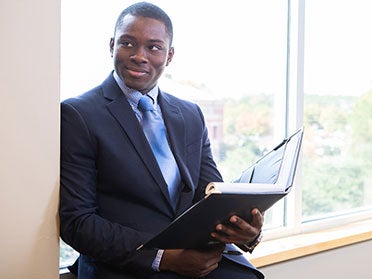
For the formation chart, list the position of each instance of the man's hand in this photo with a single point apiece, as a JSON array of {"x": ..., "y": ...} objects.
[
  {"x": 192, "y": 263},
  {"x": 240, "y": 231}
]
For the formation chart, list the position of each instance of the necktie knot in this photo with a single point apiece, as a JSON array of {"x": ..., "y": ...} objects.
[{"x": 145, "y": 103}]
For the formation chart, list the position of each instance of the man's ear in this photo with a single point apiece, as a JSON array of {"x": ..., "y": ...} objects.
[
  {"x": 170, "y": 55},
  {"x": 112, "y": 47}
]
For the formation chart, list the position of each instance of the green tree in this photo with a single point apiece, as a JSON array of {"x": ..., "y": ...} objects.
[
  {"x": 333, "y": 178},
  {"x": 245, "y": 120},
  {"x": 361, "y": 123},
  {"x": 331, "y": 186},
  {"x": 361, "y": 119}
]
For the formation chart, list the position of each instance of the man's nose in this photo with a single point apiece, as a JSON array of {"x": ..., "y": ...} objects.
[{"x": 139, "y": 55}]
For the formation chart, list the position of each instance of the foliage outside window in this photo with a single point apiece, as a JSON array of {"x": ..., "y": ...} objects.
[
  {"x": 237, "y": 75},
  {"x": 338, "y": 101}
]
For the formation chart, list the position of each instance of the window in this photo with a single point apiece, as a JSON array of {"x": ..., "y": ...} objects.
[
  {"x": 337, "y": 173},
  {"x": 259, "y": 70},
  {"x": 236, "y": 73}
]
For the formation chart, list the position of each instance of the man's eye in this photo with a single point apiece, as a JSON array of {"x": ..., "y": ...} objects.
[
  {"x": 127, "y": 44},
  {"x": 154, "y": 47}
]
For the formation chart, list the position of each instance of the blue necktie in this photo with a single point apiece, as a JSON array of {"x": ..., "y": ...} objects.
[{"x": 154, "y": 128}]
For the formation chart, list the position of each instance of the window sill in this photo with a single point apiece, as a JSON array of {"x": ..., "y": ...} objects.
[
  {"x": 286, "y": 248},
  {"x": 291, "y": 247}
]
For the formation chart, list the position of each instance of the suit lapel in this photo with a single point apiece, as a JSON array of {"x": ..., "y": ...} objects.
[
  {"x": 175, "y": 125},
  {"x": 176, "y": 130},
  {"x": 121, "y": 110}
]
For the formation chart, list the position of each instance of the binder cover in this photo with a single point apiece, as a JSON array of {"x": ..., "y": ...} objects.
[{"x": 260, "y": 186}]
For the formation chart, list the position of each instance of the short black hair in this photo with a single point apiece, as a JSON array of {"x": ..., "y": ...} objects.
[{"x": 149, "y": 10}]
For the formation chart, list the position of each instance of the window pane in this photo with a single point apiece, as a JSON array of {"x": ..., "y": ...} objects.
[
  {"x": 338, "y": 102},
  {"x": 230, "y": 58},
  {"x": 67, "y": 255}
]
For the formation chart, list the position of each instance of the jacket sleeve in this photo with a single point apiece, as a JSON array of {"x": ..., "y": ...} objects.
[{"x": 80, "y": 224}]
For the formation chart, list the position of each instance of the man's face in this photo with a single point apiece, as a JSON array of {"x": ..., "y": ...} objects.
[{"x": 141, "y": 51}]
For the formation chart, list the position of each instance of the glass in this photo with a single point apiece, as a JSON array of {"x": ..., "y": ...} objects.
[
  {"x": 230, "y": 58},
  {"x": 338, "y": 102},
  {"x": 67, "y": 255}
]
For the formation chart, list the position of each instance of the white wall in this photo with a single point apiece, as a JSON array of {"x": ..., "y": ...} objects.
[
  {"x": 29, "y": 138},
  {"x": 353, "y": 261}
]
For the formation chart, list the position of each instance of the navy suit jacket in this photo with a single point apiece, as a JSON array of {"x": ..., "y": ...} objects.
[{"x": 113, "y": 196}]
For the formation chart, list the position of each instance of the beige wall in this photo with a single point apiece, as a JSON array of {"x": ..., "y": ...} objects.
[
  {"x": 29, "y": 138},
  {"x": 352, "y": 261},
  {"x": 29, "y": 149}
]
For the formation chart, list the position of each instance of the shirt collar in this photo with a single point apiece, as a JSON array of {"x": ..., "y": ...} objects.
[{"x": 133, "y": 95}]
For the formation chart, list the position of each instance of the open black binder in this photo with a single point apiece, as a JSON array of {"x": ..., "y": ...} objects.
[{"x": 260, "y": 186}]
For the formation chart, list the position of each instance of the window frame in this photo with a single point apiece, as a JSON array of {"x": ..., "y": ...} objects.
[
  {"x": 294, "y": 223},
  {"x": 294, "y": 110}
]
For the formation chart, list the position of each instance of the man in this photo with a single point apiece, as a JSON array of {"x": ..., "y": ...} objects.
[{"x": 115, "y": 193}]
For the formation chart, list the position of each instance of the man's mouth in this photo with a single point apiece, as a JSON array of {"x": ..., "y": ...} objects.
[{"x": 137, "y": 72}]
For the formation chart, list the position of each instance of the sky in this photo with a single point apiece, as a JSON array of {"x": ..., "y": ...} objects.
[
  {"x": 338, "y": 44},
  {"x": 235, "y": 48},
  {"x": 217, "y": 45}
]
